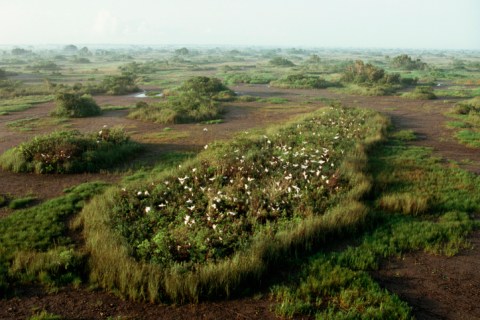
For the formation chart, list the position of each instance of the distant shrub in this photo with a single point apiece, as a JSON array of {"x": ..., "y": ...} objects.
[
  {"x": 182, "y": 51},
  {"x": 407, "y": 63},
  {"x": 251, "y": 78},
  {"x": 73, "y": 105},
  {"x": 281, "y": 62},
  {"x": 70, "y": 152},
  {"x": 44, "y": 65},
  {"x": 361, "y": 73},
  {"x": 302, "y": 81},
  {"x": 121, "y": 84},
  {"x": 3, "y": 74},
  {"x": 421, "y": 93},
  {"x": 194, "y": 101},
  {"x": 313, "y": 59}
]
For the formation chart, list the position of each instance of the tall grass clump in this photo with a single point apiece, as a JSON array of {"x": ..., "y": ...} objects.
[
  {"x": 223, "y": 219},
  {"x": 196, "y": 100},
  {"x": 70, "y": 152}
]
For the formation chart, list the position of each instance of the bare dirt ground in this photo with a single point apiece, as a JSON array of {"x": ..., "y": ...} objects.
[{"x": 435, "y": 287}]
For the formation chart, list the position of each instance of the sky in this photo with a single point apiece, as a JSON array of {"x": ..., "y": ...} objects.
[{"x": 415, "y": 24}]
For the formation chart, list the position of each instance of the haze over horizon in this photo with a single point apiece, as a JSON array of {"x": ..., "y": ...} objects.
[{"x": 421, "y": 24}]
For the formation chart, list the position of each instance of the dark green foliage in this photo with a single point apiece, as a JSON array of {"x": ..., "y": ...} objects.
[
  {"x": 74, "y": 105},
  {"x": 70, "y": 151},
  {"x": 405, "y": 62},
  {"x": 281, "y": 62},
  {"x": 21, "y": 202},
  {"x": 302, "y": 81},
  {"x": 121, "y": 84},
  {"x": 3, "y": 74},
  {"x": 182, "y": 51}
]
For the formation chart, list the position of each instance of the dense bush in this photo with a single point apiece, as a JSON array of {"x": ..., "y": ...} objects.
[
  {"x": 70, "y": 152},
  {"x": 361, "y": 73},
  {"x": 195, "y": 100},
  {"x": 74, "y": 105},
  {"x": 3, "y": 74},
  {"x": 302, "y": 81},
  {"x": 407, "y": 63},
  {"x": 251, "y": 78},
  {"x": 121, "y": 84},
  {"x": 281, "y": 62}
]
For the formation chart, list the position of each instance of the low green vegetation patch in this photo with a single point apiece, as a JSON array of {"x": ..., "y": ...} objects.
[
  {"x": 207, "y": 228},
  {"x": 70, "y": 152},
  {"x": 420, "y": 93},
  {"x": 34, "y": 245},
  {"x": 21, "y": 103},
  {"x": 195, "y": 101},
  {"x": 468, "y": 112}
]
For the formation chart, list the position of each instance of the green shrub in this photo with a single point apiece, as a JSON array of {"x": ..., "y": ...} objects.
[
  {"x": 407, "y": 63},
  {"x": 70, "y": 151},
  {"x": 302, "y": 81},
  {"x": 194, "y": 101},
  {"x": 361, "y": 73},
  {"x": 73, "y": 105},
  {"x": 281, "y": 62}
]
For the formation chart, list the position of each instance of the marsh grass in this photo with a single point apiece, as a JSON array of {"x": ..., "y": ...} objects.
[
  {"x": 337, "y": 285},
  {"x": 34, "y": 245}
]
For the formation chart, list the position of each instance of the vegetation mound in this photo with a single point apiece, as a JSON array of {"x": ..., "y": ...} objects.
[
  {"x": 70, "y": 152},
  {"x": 194, "y": 101},
  {"x": 74, "y": 105},
  {"x": 229, "y": 215}
]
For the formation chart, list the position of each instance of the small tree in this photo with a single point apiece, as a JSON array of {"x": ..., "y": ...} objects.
[{"x": 73, "y": 105}]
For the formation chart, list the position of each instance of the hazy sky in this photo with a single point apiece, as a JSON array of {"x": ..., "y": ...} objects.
[{"x": 441, "y": 24}]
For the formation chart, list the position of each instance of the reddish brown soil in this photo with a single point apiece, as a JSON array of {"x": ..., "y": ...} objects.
[{"x": 435, "y": 287}]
